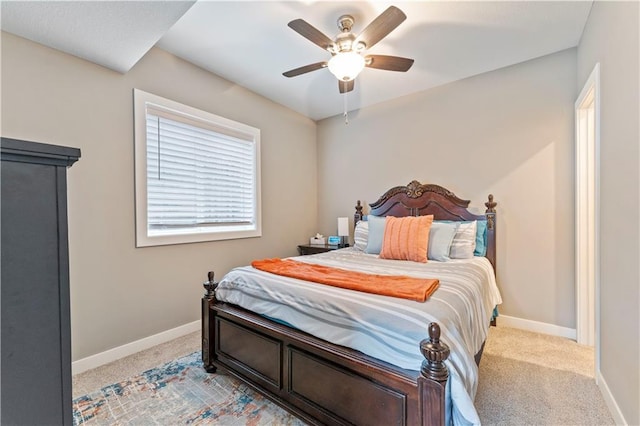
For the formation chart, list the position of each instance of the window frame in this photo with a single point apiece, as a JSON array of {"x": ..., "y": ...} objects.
[{"x": 209, "y": 120}]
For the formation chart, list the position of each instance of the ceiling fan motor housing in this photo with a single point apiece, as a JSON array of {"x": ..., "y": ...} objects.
[{"x": 344, "y": 42}]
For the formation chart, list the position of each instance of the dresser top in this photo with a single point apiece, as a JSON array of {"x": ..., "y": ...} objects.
[{"x": 36, "y": 152}]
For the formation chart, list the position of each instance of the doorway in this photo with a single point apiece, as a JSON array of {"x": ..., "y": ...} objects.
[{"x": 587, "y": 109}]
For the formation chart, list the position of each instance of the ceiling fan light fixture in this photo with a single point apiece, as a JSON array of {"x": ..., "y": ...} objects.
[{"x": 346, "y": 65}]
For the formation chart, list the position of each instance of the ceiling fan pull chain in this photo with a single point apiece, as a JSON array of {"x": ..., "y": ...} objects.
[{"x": 346, "y": 115}]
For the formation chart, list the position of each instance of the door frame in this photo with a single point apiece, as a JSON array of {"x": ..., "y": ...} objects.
[{"x": 587, "y": 213}]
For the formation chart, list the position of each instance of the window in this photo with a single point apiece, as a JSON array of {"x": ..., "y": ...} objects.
[{"x": 197, "y": 174}]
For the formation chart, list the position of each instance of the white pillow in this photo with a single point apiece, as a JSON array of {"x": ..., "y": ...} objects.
[
  {"x": 464, "y": 242},
  {"x": 361, "y": 235}
]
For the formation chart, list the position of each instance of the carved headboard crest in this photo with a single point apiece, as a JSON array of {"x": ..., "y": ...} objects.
[{"x": 416, "y": 190}]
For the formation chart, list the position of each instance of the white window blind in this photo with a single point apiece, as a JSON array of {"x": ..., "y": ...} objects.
[
  {"x": 197, "y": 177},
  {"x": 201, "y": 176}
]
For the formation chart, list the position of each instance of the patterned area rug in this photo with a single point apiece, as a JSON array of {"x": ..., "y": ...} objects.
[{"x": 180, "y": 392}]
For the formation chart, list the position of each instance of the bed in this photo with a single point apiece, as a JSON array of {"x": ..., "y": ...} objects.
[{"x": 345, "y": 379}]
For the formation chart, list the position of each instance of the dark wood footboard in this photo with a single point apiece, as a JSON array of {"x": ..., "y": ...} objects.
[{"x": 320, "y": 382}]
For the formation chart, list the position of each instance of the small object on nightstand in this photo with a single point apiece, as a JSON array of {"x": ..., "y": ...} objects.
[{"x": 317, "y": 240}]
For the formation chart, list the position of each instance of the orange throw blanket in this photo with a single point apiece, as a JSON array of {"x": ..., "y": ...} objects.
[{"x": 418, "y": 289}]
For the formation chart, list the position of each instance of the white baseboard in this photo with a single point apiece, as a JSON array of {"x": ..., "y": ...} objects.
[
  {"x": 114, "y": 354},
  {"x": 536, "y": 326},
  {"x": 618, "y": 418}
]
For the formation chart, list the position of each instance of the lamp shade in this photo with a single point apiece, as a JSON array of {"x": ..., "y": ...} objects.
[
  {"x": 343, "y": 226},
  {"x": 346, "y": 65}
]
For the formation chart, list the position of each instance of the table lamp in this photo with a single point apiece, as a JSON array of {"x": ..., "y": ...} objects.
[{"x": 343, "y": 231}]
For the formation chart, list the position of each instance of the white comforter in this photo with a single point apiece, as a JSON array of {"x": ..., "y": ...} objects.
[{"x": 383, "y": 327}]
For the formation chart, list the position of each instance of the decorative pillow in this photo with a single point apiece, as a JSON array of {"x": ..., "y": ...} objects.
[
  {"x": 376, "y": 233},
  {"x": 464, "y": 242},
  {"x": 481, "y": 235},
  {"x": 361, "y": 235},
  {"x": 481, "y": 239},
  {"x": 440, "y": 238},
  {"x": 406, "y": 238}
]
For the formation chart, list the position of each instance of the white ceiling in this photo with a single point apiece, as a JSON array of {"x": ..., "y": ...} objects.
[
  {"x": 249, "y": 43},
  {"x": 114, "y": 34}
]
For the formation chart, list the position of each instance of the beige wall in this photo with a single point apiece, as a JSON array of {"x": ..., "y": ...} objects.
[
  {"x": 508, "y": 132},
  {"x": 611, "y": 38},
  {"x": 119, "y": 293}
]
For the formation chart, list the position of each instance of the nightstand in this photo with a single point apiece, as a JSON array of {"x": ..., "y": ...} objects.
[{"x": 305, "y": 249}]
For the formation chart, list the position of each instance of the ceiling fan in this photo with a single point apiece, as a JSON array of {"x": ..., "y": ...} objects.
[{"x": 347, "y": 49}]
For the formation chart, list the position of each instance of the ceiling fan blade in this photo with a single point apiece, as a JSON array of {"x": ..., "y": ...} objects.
[
  {"x": 389, "y": 63},
  {"x": 380, "y": 27},
  {"x": 311, "y": 33},
  {"x": 305, "y": 69},
  {"x": 346, "y": 86}
]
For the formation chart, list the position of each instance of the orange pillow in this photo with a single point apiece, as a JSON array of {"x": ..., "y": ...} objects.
[{"x": 406, "y": 238}]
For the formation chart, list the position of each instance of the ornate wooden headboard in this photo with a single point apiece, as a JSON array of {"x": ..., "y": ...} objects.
[{"x": 418, "y": 199}]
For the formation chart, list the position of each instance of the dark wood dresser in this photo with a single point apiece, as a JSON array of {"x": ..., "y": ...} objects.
[{"x": 36, "y": 332}]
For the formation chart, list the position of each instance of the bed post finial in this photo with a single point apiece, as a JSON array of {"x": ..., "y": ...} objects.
[
  {"x": 435, "y": 353},
  {"x": 357, "y": 217},
  {"x": 210, "y": 285},
  {"x": 491, "y": 205},
  {"x": 491, "y": 211}
]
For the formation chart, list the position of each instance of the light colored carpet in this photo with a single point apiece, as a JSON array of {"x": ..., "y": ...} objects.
[
  {"x": 534, "y": 379},
  {"x": 525, "y": 379}
]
